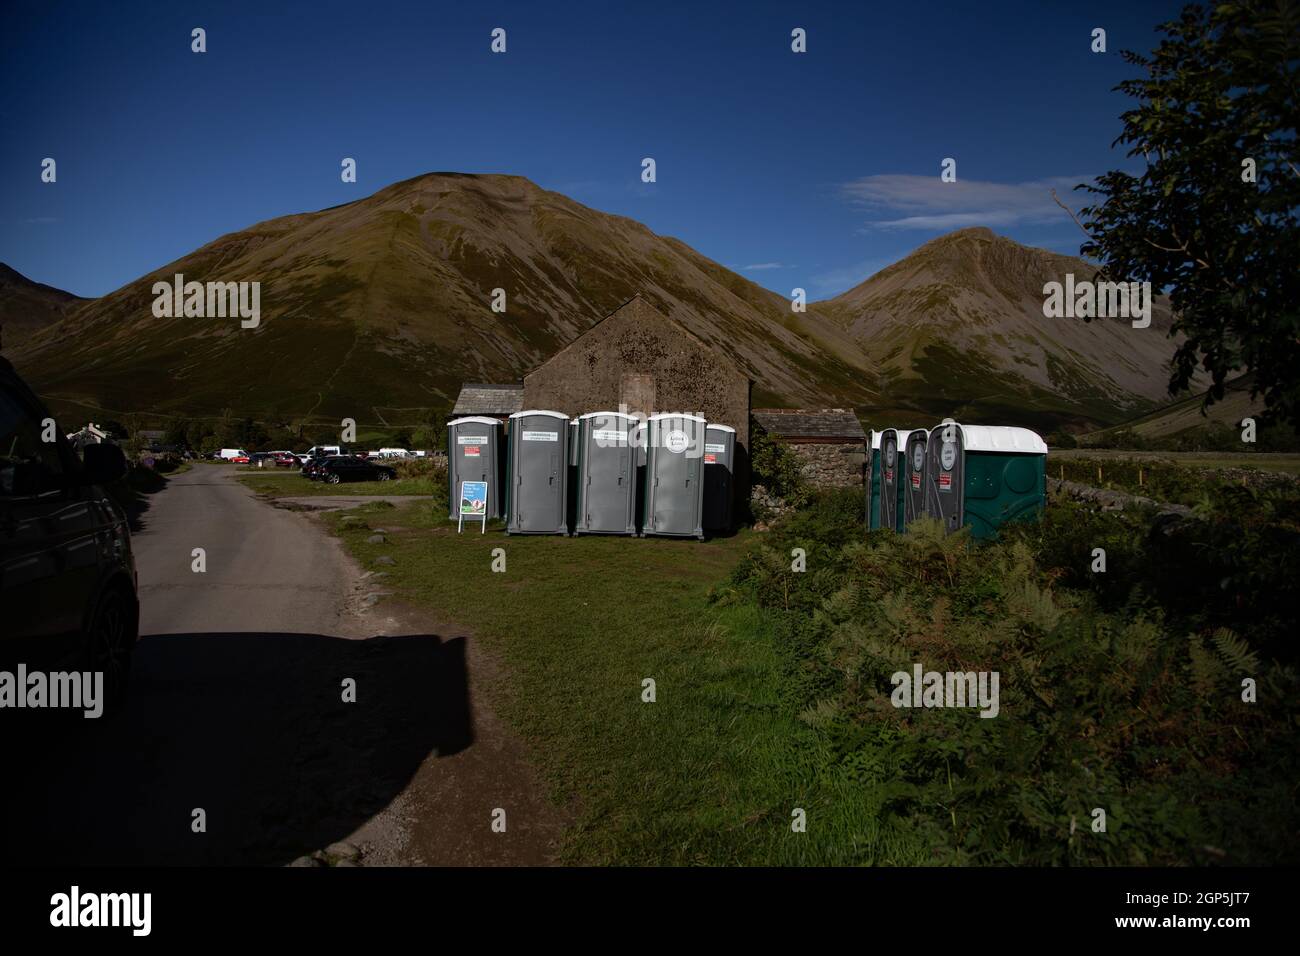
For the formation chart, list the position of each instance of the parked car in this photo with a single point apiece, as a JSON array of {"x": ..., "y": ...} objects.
[
  {"x": 228, "y": 454},
  {"x": 312, "y": 468},
  {"x": 238, "y": 460},
  {"x": 324, "y": 451},
  {"x": 337, "y": 470},
  {"x": 286, "y": 459},
  {"x": 67, "y": 575}
]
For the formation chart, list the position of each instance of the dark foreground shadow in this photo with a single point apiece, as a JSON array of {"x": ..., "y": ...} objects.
[{"x": 251, "y": 728}]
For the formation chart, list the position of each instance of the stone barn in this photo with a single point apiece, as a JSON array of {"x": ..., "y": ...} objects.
[
  {"x": 640, "y": 358},
  {"x": 829, "y": 441}
]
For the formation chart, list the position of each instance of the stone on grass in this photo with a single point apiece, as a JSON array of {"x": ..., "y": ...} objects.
[{"x": 343, "y": 851}]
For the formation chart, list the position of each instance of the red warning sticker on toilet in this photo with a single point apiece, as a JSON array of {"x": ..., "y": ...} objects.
[
  {"x": 471, "y": 451},
  {"x": 945, "y": 482},
  {"x": 916, "y": 481},
  {"x": 710, "y": 459}
]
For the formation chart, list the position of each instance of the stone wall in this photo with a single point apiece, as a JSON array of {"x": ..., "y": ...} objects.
[{"x": 832, "y": 465}]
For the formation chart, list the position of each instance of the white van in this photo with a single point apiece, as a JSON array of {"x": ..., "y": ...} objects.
[
  {"x": 228, "y": 453},
  {"x": 394, "y": 453},
  {"x": 323, "y": 451}
]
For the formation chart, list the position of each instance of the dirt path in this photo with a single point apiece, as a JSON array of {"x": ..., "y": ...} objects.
[{"x": 237, "y": 711}]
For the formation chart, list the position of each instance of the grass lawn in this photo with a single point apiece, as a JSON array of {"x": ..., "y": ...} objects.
[
  {"x": 709, "y": 773},
  {"x": 287, "y": 483}
]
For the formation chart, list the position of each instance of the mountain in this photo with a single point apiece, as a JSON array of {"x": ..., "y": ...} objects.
[
  {"x": 382, "y": 306},
  {"x": 1187, "y": 413},
  {"x": 27, "y": 307},
  {"x": 957, "y": 328}
]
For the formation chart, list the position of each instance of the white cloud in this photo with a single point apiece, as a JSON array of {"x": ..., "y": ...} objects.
[
  {"x": 762, "y": 266},
  {"x": 925, "y": 202}
]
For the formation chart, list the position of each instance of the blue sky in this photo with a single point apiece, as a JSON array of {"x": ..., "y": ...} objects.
[{"x": 809, "y": 170}]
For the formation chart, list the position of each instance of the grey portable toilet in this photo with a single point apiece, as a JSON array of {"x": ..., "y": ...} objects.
[
  {"x": 571, "y": 507},
  {"x": 474, "y": 454},
  {"x": 674, "y": 483},
  {"x": 537, "y": 472},
  {"x": 913, "y": 467},
  {"x": 719, "y": 471},
  {"x": 605, "y": 487}
]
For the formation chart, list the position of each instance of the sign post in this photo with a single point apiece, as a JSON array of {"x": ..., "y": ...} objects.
[{"x": 473, "y": 504}]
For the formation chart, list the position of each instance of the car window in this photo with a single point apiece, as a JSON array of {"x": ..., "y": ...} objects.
[{"x": 28, "y": 466}]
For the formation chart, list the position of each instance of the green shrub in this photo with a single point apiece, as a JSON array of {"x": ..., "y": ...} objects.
[
  {"x": 1118, "y": 691},
  {"x": 777, "y": 468}
]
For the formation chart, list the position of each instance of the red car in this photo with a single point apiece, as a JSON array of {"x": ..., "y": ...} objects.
[
  {"x": 238, "y": 460},
  {"x": 286, "y": 460}
]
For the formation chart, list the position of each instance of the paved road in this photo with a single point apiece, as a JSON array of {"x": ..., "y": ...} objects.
[
  {"x": 237, "y": 746},
  {"x": 267, "y": 569}
]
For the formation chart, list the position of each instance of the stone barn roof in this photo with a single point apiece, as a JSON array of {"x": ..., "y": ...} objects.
[
  {"x": 829, "y": 425},
  {"x": 498, "y": 400}
]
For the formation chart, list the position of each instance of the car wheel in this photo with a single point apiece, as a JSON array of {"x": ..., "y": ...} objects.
[
  {"x": 110, "y": 643},
  {"x": 384, "y": 476},
  {"x": 335, "y": 479}
]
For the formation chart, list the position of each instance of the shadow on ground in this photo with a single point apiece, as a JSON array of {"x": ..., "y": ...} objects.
[{"x": 249, "y": 727}]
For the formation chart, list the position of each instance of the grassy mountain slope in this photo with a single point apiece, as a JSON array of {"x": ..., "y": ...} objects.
[
  {"x": 385, "y": 302},
  {"x": 957, "y": 327},
  {"x": 26, "y": 307},
  {"x": 381, "y": 307}
]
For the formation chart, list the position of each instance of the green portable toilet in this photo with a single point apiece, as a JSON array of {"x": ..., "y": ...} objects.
[
  {"x": 913, "y": 467},
  {"x": 873, "y": 482},
  {"x": 984, "y": 476},
  {"x": 893, "y": 478}
]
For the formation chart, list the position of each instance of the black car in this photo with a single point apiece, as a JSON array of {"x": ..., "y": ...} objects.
[
  {"x": 311, "y": 468},
  {"x": 67, "y": 575},
  {"x": 344, "y": 468}
]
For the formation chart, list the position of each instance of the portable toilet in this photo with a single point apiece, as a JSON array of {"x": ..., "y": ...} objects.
[
  {"x": 673, "y": 499},
  {"x": 913, "y": 466},
  {"x": 605, "y": 487},
  {"x": 719, "y": 472},
  {"x": 474, "y": 454},
  {"x": 984, "y": 476},
  {"x": 571, "y": 486},
  {"x": 537, "y": 472},
  {"x": 873, "y": 482},
  {"x": 892, "y": 478}
]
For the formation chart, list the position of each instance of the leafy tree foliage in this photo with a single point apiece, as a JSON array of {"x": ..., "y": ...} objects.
[{"x": 1212, "y": 219}]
